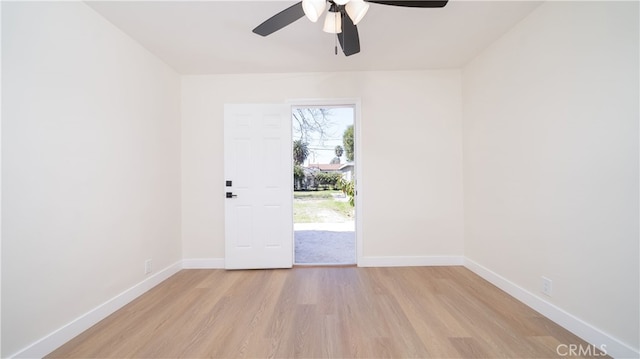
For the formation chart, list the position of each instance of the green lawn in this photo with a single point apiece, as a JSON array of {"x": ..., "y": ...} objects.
[
  {"x": 326, "y": 194},
  {"x": 320, "y": 207}
]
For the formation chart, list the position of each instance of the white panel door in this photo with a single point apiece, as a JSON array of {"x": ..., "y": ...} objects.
[{"x": 258, "y": 162}]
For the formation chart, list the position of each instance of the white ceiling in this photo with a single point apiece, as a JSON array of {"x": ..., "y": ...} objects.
[{"x": 213, "y": 37}]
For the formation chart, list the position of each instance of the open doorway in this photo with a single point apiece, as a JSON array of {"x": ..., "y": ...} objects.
[{"x": 324, "y": 185}]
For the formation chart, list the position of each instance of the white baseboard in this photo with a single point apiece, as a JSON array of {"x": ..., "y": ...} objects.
[
  {"x": 218, "y": 263},
  {"x": 587, "y": 332},
  {"x": 203, "y": 263},
  {"x": 410, "y": 261},
  {"x": 54, "y": 340}
]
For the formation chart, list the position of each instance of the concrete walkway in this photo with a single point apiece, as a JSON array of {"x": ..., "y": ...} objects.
[{"x": 325, "y": 243}]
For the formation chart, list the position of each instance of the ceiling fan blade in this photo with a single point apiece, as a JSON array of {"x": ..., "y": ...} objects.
[
  {"x": 280, "y": 20},
  {"x": 412, "y": 3},
  {"x": 349, "y": 39}
]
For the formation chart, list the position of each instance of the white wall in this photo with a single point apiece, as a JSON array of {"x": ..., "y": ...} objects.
[
  {"x": 410, "y": 121},
  {"x": 551, "y": 160},
  {"x": 0, "y": 187},
  {"x": 91, "y": 166}
]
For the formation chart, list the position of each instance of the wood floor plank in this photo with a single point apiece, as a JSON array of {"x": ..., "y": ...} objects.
[
  {"x": 470, "y": 348},
  {"x": 323, "y": 312}
]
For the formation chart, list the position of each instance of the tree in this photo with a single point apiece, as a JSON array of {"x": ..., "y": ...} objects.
[
  {"x": 298, "y": 177},
  {"x": 310, "y": 121},
  {"x": 347, "y": 141},
  {"x": 339, "y": 152},
  {"x": 300, "y": 152}
]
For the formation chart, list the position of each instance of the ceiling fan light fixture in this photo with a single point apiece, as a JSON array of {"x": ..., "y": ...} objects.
[
  {"x": 313, "y": 8},
  {"x": 333, "y": 22},
  {"x": 340, "y": 2},
  {"x": 356, "y": 9}
]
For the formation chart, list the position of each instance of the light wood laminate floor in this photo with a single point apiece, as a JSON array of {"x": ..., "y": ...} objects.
[{"x": 323, "y": 312}]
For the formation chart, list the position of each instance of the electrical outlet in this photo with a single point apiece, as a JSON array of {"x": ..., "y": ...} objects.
[
  {"x": 147, "y": 266},
  {"x": 547, "y": 286}
]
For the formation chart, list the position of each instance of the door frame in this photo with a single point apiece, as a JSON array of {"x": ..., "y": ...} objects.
[{"x": 357, "y": 124}]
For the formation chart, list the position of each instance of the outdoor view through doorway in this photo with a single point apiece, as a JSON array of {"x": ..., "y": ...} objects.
[{"x": 324, "y": 183}]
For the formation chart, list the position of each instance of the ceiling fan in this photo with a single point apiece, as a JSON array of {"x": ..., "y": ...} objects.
[{"x": 341, "y": 19}]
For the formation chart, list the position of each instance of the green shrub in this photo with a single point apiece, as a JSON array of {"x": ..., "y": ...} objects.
[
  {"x": 348, "y": 188},
  {"x": 329, "y": 179}
]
